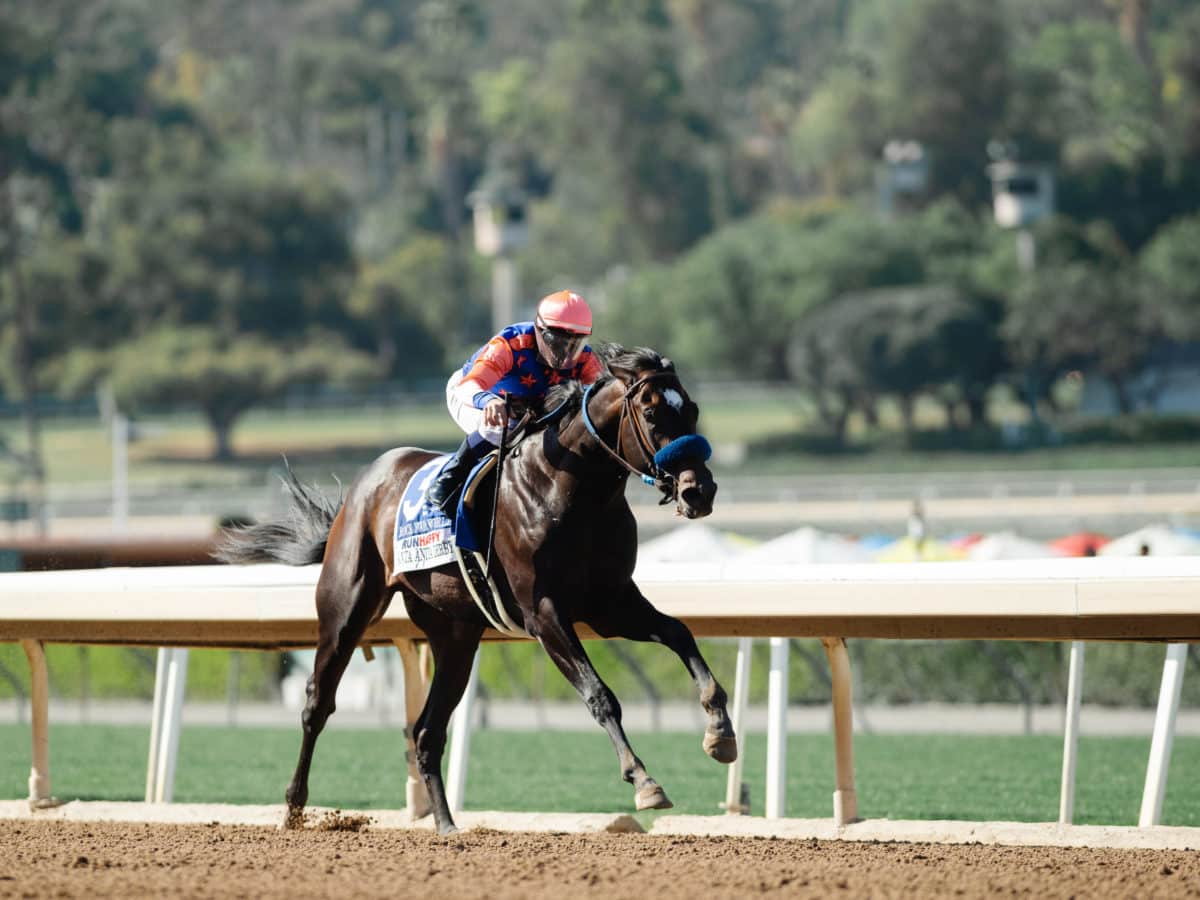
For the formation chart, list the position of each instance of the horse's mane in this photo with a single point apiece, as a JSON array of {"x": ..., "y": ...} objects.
[{"x": 565, "y": 399}]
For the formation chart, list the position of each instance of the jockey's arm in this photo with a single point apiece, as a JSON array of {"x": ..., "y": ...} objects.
[
  {"x": 493, "y": 363},
  {"x": 591, "y": 368}
]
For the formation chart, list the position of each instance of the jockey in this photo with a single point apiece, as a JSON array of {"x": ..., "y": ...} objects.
[{"x": 522, "y": 361}]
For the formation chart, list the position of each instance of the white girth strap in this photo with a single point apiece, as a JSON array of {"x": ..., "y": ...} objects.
[{"x": 501, "y": 620}]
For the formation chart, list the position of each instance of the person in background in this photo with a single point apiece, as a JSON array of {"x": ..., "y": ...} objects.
[
  {"x": 918, "y": 529},
  {"x": 523, "y": 362}
]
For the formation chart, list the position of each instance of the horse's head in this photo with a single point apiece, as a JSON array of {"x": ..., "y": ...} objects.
[{"x": 655, "y": 422}]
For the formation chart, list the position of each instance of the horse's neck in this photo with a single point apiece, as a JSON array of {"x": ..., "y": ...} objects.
[{"x": 577, "y": 463}]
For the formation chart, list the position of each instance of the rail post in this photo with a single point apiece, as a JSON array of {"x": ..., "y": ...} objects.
[
  {"x": 777, "y": 703},
  {"x": 39, "y": 704},
  {"x": 845, "y": 797},
  {"x": 735, "y": 802},
  {"x": 460, "y": 743},
  {"x": 1164, "y": 736},
  {"x": 416, "y": 687},
  {"x": 1066, "y": 802}
]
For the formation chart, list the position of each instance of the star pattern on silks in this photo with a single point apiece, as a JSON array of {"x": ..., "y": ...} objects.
[
  {"x": 529, "y": 380},
  {"x": 524, "y": 359},
  {"x": 553, "y": 377}
]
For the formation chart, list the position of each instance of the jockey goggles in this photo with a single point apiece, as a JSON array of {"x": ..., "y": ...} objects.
[{"x": 560, "y": 348}]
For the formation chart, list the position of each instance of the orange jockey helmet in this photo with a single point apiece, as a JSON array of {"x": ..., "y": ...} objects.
[{"x": 563, "y": 322}]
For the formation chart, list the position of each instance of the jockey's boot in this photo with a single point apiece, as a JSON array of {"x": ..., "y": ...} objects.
[{"x": 443, "y": 493}]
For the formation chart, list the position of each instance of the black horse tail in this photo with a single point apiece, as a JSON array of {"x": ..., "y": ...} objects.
[{"x": 297, "y": 540}]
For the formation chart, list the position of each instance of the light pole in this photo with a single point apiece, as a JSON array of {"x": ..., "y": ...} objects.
[
  {"x": 902, "y": 176},
  {"x": 499, "y": 208},
  {"x": 1022, "y": 195},
  {"x": 120, "y": 430}
]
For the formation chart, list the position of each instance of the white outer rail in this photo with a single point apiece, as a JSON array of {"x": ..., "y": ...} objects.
[{"x": 1147, "y": 599}]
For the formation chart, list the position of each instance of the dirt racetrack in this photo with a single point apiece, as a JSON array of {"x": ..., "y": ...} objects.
[{"x": 83, "y": 859}]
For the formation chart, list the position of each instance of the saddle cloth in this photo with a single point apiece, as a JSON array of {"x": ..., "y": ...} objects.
[{"x": 425, "y": 537}]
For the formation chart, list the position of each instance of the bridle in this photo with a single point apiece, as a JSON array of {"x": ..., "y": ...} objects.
[{"x": 655, "y": 473}]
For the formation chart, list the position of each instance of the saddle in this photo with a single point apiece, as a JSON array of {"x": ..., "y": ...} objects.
[{"x": 470, "y": 546}]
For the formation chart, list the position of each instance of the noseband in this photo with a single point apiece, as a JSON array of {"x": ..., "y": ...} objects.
[{"x": 687, "y": 445}]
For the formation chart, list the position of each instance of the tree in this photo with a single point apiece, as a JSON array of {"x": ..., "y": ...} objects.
[
  {"x": 1084, "y": 98},
  {"x": 67, "y": 77},
  {"x": 450, "y": 32},
  {"x": 946, "y": 79},
  {"x": 827, "y": 357},
  {"x": 245, "y": 252},
  {"x": 1080, "y": 316},
  {"x": 1182, "y": 85},
  {"x": 838, "y": 135},
  {"x": 900, "y": 342},
  {"x": 398, "y": 300},
  {"x": 1127, "y": 333},
  {"x": 74, "y": 312},
  {"x": 733, "y": 302},
  {"x": 1172, "y": 263},
  {"x": 721, "y": 44},
  {"x": 939, "y": 342},
  {"x": 224, "y": 377},
  {"x": 622, "y": 116},
  {"x": 1096, "y": 95},
  {"x": 721, "y": 308}
]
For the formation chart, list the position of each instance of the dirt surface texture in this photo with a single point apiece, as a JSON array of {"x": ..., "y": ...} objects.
[{"x": 343, "y": 856}]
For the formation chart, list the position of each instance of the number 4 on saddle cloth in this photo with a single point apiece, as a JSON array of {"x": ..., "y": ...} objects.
[{"x": 425, "y": 538}]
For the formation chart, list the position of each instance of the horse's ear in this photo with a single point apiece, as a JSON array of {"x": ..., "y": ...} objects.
[
  {"x": 626, "y": 375},
  {"x": 668, "y": 365}
]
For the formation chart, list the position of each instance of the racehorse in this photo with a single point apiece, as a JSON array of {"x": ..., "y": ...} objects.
[{"x": 566, "y": 543}]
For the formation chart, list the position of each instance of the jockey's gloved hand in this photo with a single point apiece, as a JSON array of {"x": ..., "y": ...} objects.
[{"x": 493, "y": 413}]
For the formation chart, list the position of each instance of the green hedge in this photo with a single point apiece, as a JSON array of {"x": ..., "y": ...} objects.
[
  {"x": 128, "y": 672},
  {"x": 884, "y": 672}
]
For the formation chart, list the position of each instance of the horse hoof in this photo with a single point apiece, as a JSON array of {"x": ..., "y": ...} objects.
[
  {"x": 722, "y": 749},
  {"x": 447, "y": 830},
  {"x": 293, "y": 819},
  {"x": 653, "y": 797}
]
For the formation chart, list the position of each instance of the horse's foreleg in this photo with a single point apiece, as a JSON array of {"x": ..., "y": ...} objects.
[
  {"x": 564, "y": 648},
  {"x": 638, "y": 620},
  {"x": 346, "y": 600},
  {"x": 453, "y": 653}
]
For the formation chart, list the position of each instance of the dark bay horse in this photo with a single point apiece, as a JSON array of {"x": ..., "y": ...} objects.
[{"x": 566, "y": 542}]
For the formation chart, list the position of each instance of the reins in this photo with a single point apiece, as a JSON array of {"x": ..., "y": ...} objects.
[
  {"x": 487, "y": 568},
  {"x": 657, "y": 476}
]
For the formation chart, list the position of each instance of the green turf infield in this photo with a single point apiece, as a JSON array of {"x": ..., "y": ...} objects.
[
  {"x": 175, "y": 449},
  {"x": 977, "y": 777}
]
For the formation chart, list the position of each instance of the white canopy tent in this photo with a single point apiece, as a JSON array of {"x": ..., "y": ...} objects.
[
  {"x": 694, "y": 542},
  {"x": 808, "y": 545},
  {"x": 1009, "y": 545},
  {"x": 1153, "y": 540}
]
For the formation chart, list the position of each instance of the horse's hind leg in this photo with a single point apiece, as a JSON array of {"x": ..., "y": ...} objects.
[
  {"x": 564, "y": 647},
  {"x": 453, "y": 644},
  {"x": 348, "y": 594},
  {"x": 638, "y": 620}
]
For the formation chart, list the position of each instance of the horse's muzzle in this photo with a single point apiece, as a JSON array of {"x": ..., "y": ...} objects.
[{"x": 695, "y": 498}]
